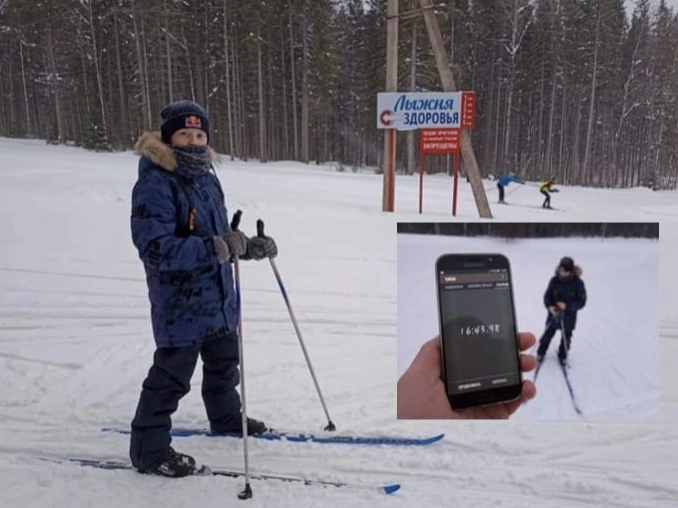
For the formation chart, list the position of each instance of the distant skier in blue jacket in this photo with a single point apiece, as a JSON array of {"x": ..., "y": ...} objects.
[
  {"x": 504, "y": 181},
  {"x": 564, "y": 297}
]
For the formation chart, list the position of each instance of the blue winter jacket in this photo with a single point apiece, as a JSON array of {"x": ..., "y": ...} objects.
[
  {"x": 507, "y": 179},
  {"x": 570, "y": 291},
  {"x": 192, "y": 296}
]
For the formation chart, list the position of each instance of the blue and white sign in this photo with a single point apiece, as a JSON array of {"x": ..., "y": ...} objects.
[{"x": 406, "y": 111}]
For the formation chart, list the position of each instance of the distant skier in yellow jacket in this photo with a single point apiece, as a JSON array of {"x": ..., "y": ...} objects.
[{"x": 546, "y": 188}]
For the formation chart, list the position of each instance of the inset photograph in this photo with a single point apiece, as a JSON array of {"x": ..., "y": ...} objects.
[{"x": 528, "y": 321}]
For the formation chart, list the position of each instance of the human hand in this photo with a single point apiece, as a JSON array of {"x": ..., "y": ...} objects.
[
  {"x": 261, "y": 247},
  {"x": 233, "y": 243},
  {"x": 553, "y": 310},
  {"x": 422, "y": 395},
  {"x": 561, "y": 305}
]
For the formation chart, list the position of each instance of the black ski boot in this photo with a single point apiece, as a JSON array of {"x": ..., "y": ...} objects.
[
  {"x": 254, "y": 427},
  {"x": 178, "y": 465}
]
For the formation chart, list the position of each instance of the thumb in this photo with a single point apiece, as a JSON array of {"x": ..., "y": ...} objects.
[{"x": 429, "y": 357}]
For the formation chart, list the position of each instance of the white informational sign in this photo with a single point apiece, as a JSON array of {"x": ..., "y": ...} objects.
[{"x": 406, "y": 111}]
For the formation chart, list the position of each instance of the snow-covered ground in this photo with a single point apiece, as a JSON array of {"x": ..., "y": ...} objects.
[
  {"x": 615, "y": 348},
  {"x": 75, "y": 345}
]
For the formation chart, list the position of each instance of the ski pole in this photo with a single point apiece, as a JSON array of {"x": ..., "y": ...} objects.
[
  {"x": 247, "y": 492},
  {"x": 513, "y": 190},
  {"x": 567, "y": 378},
  {"x": 330, "y": 425},
  {"x": 562, "y": 330}
]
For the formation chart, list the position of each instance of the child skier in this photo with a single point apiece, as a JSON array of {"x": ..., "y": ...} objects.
[
  {"x": 564, "y": 297},
  {"x": 545, "y": 188},
  {"x": 180, "y": 227},
  {"x": 504, "y": 181}
]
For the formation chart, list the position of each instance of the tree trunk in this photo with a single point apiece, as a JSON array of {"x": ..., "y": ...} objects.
[
  {"x": 262, "y": 114},
  {"x": 146, "y": 116},
  {"x": 55, "y": 84},
  {"x": 168, "y": 52},
  {"x": 497, "y": 126},
  {"x": 563, "y": 123},
  {"x": 227, "y": 66},
  {"x": 487, "y": 154},
  {"x": 237, "y": 126},
  {"x": 285, "y": 122},
  {"x": 273, "y": 145},
  {"x": 85, "y": 81},
  {"x": 507, "y": 160},
  {"x": 121, "y": 85},
  {"x": 304, "y": 89},
  {"x": 114, "y": 134},
  {"x": 592, "y": 107},
  {"x": 412, "y": 135},
  {"x": 245, "y": 147},
  {"x": 189, "y": 64},
  {"x": 29, "y": 127},
  {"x": 540, "y": 128},
  {"x": 549, "y": 141},
  {"x": 574, "y": 171},
  {"x": 4, "y": 120},
  {"x": 97, "y": 68},
  {"x": 12, "y": 113},
  {"x": 295, "y": 124}
]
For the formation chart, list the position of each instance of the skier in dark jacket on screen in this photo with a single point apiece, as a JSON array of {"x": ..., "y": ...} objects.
[{"x": 563, "y": 298}]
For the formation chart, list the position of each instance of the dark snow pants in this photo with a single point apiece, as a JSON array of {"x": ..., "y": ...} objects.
[
  {"x": 545, "y": 341},
  {"x": 501, "y": 192},
  {"x": 169, "y": 379},
  {"x": 547, "y": 201}
]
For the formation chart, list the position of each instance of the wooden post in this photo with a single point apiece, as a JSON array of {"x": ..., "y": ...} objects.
[
  {"x": 388, "y": 196},
  {"x": 449, "y": 85},
  {"x": 422, "y": 157},
  {"x": 455, "y": 165}
]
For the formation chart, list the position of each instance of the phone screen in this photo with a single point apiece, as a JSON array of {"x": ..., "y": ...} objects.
[{"x": 478, "y": 330}]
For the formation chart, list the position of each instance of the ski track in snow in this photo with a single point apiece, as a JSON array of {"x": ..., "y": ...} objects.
[{"x": 75, "y": 346}]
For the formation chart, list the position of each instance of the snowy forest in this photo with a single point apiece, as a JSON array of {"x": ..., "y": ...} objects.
[{"x": 582, "y": 90}]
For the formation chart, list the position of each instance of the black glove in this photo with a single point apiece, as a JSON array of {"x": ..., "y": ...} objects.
[
  {"x": 233, "y": 243},
  {"x": 261, "y": 247}
]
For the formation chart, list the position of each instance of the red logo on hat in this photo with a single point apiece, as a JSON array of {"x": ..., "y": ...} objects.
[{"x": 193, "y": 122}]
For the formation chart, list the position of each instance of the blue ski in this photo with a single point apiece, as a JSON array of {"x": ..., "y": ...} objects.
[
  {"x": 303, "y": 438},
  {"x": 120, "y": 465}
]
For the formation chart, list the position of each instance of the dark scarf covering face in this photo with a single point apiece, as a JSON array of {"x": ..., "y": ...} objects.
[{"x": 196, "y": 160}]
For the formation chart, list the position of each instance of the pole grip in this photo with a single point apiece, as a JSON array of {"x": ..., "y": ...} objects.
[{"x": 260, "y": 228}]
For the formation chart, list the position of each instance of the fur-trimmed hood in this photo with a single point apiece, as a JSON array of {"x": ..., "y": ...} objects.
[
  {"x": 577, "y": 271},
  {"x": 151, "y": 146}
]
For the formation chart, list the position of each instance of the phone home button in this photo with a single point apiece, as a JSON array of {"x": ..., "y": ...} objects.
[{"x": 486, "y": 399}]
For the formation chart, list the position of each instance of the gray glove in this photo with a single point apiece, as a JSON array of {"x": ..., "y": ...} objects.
[
  {"x": 233, "y": 243},
  {"x": 261, "y": 247}
]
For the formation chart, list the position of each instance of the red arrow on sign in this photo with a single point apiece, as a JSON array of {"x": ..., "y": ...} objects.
[{"x": 385, "y": 117}]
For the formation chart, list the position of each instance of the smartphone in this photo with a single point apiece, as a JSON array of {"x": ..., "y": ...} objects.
[{"x": 478, "y": 331}]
